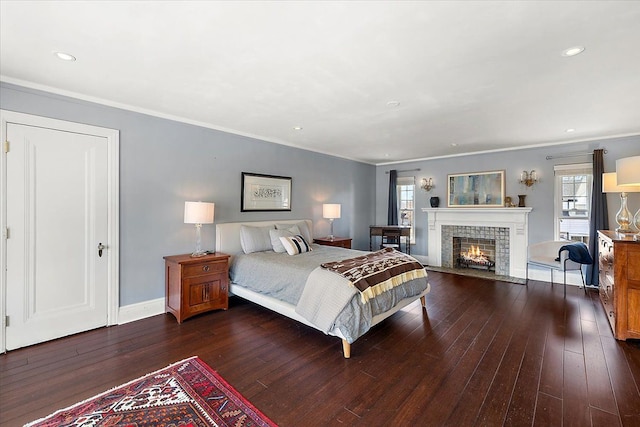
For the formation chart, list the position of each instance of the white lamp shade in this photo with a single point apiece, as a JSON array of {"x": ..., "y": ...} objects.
[
  {"x": 331, "y": 210},
  {"x": 198, "y": 212},
  {"x": 610, "y": 185},
  {"x": 628, "y": 171}
]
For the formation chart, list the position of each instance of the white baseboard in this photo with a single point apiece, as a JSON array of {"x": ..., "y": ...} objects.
[{"x": 141, "y": 310}]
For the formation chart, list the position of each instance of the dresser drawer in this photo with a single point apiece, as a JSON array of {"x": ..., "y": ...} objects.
[
  {"x": 201, "y": 269},
  {"x": 620, "y": 283},
  {"x": 610, "y": 312}
]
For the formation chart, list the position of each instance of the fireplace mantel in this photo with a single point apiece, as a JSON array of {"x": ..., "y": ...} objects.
[{"x": 515, "y": 219}]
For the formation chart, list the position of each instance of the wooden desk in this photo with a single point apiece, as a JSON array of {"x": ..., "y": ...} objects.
[{"x": 405, "y": 231}]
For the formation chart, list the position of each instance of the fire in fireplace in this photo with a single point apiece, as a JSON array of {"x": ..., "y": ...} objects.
[
  {"x": 475, "y": 258},
  {"x": 474, "y": 253}
]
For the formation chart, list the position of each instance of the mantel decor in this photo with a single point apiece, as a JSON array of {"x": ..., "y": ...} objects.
[
  {"x": 265, "y": 193},
  {"x": 476, "y": 189}
]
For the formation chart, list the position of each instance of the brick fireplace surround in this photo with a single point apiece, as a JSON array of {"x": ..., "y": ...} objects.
[{"x": 514, "y": 222}]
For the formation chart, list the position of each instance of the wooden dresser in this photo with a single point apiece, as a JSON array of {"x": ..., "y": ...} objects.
[
  {"x": 619, "y": 262},
  {"x": 196, "y": 285}
]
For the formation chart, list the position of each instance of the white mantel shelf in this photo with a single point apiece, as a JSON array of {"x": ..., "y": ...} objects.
[{"x": 515, "y": 219}]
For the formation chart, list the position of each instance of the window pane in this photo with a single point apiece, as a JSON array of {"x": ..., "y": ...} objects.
[
  {"x": 406, "y": 194},
  {"x": 574, "y": 205}
]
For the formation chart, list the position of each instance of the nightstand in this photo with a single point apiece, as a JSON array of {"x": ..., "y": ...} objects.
[
  {"x": 196, "y": 285},
  {"x": 342, "y": 242}
]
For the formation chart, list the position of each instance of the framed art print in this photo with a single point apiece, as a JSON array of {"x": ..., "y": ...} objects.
[
  {"x": 476, "y": 189},
  {"x": 265, "y": 193}
]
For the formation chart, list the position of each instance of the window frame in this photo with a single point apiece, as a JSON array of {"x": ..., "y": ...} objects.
[
  {"x": 407, "y": 182},
  {"x": 567, "y": 170}
]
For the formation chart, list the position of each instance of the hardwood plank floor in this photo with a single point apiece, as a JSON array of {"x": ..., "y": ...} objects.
[{"x": 486, "y": 353}]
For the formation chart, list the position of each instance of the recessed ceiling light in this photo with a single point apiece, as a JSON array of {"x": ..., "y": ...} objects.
[
  {"x": 453, "y": 144},
  {"x": 297, "y": 128},
  {"x": 393, "y": 104},
  {"x": 573, "y": 51},
  {"x": 65, "y": 56},
  {"x": 570, "y": 130}
]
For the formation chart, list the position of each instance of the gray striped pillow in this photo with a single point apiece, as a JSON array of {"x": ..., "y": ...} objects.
[{"x": 295, "y": 244}]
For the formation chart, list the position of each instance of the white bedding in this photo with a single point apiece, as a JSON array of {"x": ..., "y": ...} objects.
[
  {"x": 280, "y": 275},
  {"x": 341, "y": 314}
]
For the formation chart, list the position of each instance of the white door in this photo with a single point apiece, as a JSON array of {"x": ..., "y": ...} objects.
[{"x": 57, "y": 209}]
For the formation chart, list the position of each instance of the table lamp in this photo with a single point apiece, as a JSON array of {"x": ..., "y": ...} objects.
[
  {"x": 331, "y": 211},
  {"x": 623, "y": 217},
  {"x": 198, "y": 213},
  {"x": 628, "y": 174}
]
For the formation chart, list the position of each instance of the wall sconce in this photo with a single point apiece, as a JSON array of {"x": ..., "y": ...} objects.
[
  {"x": 528, "y": 178},
  {"x": 427, "y": 184},
  {"x": 198, "y": 213}
]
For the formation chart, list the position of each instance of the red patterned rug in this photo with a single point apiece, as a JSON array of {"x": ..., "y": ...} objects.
[{"x": 186, "y": 394}]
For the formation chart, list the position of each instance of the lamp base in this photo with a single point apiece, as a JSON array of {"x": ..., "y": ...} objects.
[
  {"x": 198, "y": 252},
  {"x": 636, "y": 224},
  {"x": 625, "y": 227},
  {"x": 624, "y": 218},
  {"x": 331, "y": 235}
]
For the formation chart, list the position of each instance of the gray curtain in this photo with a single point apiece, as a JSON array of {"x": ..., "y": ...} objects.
[
  {"x": 392, "y": 212},
  {"x": 599, "y": 215}
]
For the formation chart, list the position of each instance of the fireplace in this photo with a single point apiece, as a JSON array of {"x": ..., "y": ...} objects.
[
  {"x": 474, "y": 253},
  {"x": 493, "y": 239},
  {"x": 508, "y": 227}
]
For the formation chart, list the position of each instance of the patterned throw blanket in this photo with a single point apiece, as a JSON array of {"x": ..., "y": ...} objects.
[{"x": 377, "y": 272}]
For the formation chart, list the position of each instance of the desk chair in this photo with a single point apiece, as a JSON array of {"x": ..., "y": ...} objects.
[
  {"x": 390, "y": 239},
  {"x": 548, "y": 255}
]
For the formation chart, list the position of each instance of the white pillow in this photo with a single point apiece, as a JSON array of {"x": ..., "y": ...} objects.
[
  {"x": 255, "y": 239},
  {"x": 295, "y": 244},
  {"x": 302, "y": 225},
  {"x": 276, "y": 234}
]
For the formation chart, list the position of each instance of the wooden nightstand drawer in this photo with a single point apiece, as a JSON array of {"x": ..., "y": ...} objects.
[
  {"x": 196, "y": 285},
  {"x": 341, "y": 242},
  {"x": 192, "y": 270}
]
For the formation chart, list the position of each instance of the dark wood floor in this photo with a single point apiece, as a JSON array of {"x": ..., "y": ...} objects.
[{"x": 486, "y": 353}]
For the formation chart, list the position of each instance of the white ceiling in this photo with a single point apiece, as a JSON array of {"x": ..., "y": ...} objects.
[{"x": 483, "y": 75}]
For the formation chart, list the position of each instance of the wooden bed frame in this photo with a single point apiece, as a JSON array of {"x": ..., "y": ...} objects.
[{"x": 228, "y": 241}]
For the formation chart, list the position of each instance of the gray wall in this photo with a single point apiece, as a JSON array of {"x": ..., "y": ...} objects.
[
  {"x": 539, "y": 197},
  {"x": 164, "y": 163}
]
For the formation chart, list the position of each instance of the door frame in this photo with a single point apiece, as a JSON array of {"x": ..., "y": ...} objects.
[{"x": 113, "y": 215}]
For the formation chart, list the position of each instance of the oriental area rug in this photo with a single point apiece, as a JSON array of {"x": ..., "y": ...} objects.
[{"x": 186, "y": 394}]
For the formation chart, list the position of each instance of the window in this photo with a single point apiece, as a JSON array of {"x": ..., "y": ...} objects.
[
  {"x": 406, "y": 201},
  {"x": 573, "y": 201}
]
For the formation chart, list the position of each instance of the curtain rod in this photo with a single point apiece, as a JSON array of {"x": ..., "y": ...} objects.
[
  {"x": 562, "y": 156},
  {"x": 406, "y": 170}
]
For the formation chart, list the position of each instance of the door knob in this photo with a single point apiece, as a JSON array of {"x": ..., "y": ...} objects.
[{"x": 100, "y": 248}]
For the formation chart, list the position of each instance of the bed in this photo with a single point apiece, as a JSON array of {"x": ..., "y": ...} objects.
[{"x": 295, "y": 285}]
